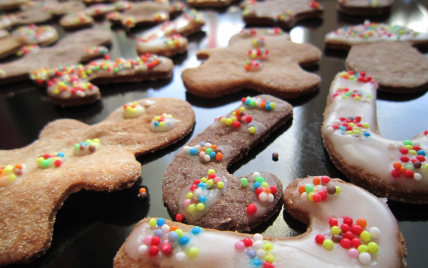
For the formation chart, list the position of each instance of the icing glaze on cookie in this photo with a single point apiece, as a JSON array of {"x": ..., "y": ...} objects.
[
  {"x": 132, "y": 110},
  {"x": 3, "y": 33},
  {"x": 162, "y": 123},
  {"x": 50, "y": 160},
  {"x": 370, "y": 222},
  {"x": 76, "y": 19},
  {"x": 374, "y": 32},
  {"x": 30, "y": 49},
  {"x": 205, "y": 151},
  {"x": 7, "y": 21},
  {"x": 33, "y": 34},
  {"x": 11, "y": 174},
  {"x": 87, "y": 147},
  {"x": 400, "y": 163}
]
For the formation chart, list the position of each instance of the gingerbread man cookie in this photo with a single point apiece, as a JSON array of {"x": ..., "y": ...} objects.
[
  {"x": 204, "y": 192},
  {"x": 70, "y": 155},
  {"x": 71, "y": 85},
  {"x": 364, "y": 7},
  {"x": 68, "y": 51},
  {"x": 397, "y": 170},
  {"x": 33, "y": 12},
  {"x": 282, "y": 13},
  {"x": 168, "y": 39},
  {"x": 260, "y": 59},
  {"x": 339, "y": 234}
]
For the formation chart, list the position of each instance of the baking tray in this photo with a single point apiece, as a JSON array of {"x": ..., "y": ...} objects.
[{"x": 91, "y": 226}]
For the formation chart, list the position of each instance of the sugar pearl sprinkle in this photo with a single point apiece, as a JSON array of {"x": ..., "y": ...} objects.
[
  {"x": 258, "y": 42},
  {"x": 195, "y": 199},
  {"x": 412, "y": 161},
  {"x": 258, "y": 251},
  {"x": 29, "y": 49},
  {"x": 237, "y": 119},
  {"x": 372, "y": 30},
  {"x": 33, "y": 34},
  {"x": 319, "y": 190},
  {"x": 351, "y": 125},
  {"x": 50, "y": 160},
  {"x": 87, "y": 147},
  {"x": 258, "y": 103},
  {"x": 361, "y": 77},
  {"x": 262, "y": 189},
  {"x": 132, "y": 110},
  {"x": 355, "y": 94},
  {"x": 129, "y": 21},
  {"x": 9, "y": 174},
  {"x": 259, "y": 54},
  {"x": 253, "y": 65},
  {"x": 142, "y": 193},
  {"x": 97, "y": 50},
  {"x": 360, "y": 241},
  {"x": 162, "y": 123},
  {"x": 169, "y": 241},
  {"x": 193, "y": 15},
  {"x": 206, "y": 151}
]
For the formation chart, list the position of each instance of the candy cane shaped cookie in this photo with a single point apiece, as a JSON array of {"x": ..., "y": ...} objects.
[
  {"x": 168, "y": 39},
  {"x": 397, "y": 170},
  {"x": 340, "y": 234},
  {"x": 197, "y": 184}
]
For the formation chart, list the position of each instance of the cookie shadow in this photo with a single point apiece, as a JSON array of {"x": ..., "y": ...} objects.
[
  {"x": 196, "y": 37},
  {"x": 335, "y": 53},
  {"x": 221, "y": 101},
  {"x": 359, "y": 19},
  {"x": 81, "y": 111},
  {"x": 400, "y": 97},
  {"x": 297, "y": 226},
  {"x": 120, "y": 88},
  {"x": 310, "y": 23},
  {"x": 408, "y": 212}
]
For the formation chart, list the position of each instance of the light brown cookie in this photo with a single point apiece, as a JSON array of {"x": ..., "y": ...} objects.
[
  {"x": 8, "y": 21},
  {"x": 197, "y": 184},
  {"x": 33, "y": 12},
  {"x": 9, "y": 45},
  {"x": 43, "y": 35},
  {"x": 169, "y": 38},
  {"x": 71, "y": 155},
  {"x": 372, "y": 32},
  {"x": 397, "y": 170},
  {"x": 72, "y": 85},
  {"x": 263, "y": 60},
  {"x": 68, "y": 51},
  {"x": 396, "y": 66},
  {"x": 282, "y": 13},
  {"x": 210, "y": 3},
  {"x": 157, "y": 242},
  {"x": 11, "y": 4},
  {"x": 62, "y": 8},
  {"x": 364, "y": 7}
]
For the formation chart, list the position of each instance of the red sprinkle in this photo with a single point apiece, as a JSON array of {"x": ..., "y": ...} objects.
[
  {"x": 349, "y": 235},
  {"x": 179, "y": 217},
  {"x": 319, "y": 239},
  {"x": 155, "y": 240},
  {"x": 348, "y": 221},
  {"x": 345, "y": 243},
  {"x": 248, "y": 242},
  {"x": 408, "y": 174},
  {"x": 333, "y": 222},
  {"x": 356, "y": 242},
  {"x": 345, "y": 228},
  {"x": 251, "y": 209},
  {"x": 153, "y": 251},
  {"x": 273, "y": 189},
  {"x": 166, "y": 248},
  {"x": 325, "y": 179},
  {"x": 356, "y": 229}
]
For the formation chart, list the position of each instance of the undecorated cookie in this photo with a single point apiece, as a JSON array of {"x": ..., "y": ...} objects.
[
  {"x": 348, "y": 227},
  {"x": 261, "y": 59},
  {"x": 197, "y": 184},
  {"x": 169, "y": 38},
  {"x": 282, "y": 13},
  {"x": 364, "y": 7},
  {"x": 68, "y": 51},
  {"x": 73, "y": 85},
  {"x": 397, "y": 170},
  {"x": 396, "y": 66},
  {"x": 9, "y": 45}
]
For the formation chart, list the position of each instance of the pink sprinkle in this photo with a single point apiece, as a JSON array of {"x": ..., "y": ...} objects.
[
  {"x": 186, "y": 202},
  {"x": 216, "y": 180},
  {"x": 239, "y": 245},
  {"x": 148, "y": 240},
  {"x": 353, "y": 253}
]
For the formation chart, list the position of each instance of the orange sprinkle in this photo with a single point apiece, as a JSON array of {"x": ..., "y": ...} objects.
[
  {"x": 403, "y": 169},
  {"x": 214, "y": 147},
  {"x": 397, "y": 165},
  {"x": 362, "y": 222},
  {"x": 262, "y": 105},
  {"x": 219, "y": 156},
  {"x": 317, "y": 181},
  {"x": 19, "y": 166},
  {"x": 143, "y": 190},
  {"x": 173, "y": 228},
  {"x": 302, "y": 189},
  {"x": 267, "y": 190},
  {"x": 203, "y": 149}
]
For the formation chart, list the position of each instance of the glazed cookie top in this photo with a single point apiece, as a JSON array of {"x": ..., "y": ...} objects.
[
  {"x": 376, "y": 237},
  {"x": 35, "y": 35}
]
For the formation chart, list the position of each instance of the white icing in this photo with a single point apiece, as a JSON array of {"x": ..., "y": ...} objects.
[
  {"x": 167, "y": 124},
  {"x": 262, "y": 202},
  {"x": 87, "y": 147},
  {"x": 35, "y": 34},
  {"x": 3, "y": 33},
  {"x": 217, "y": 249},
  {"x": 133, "y": 110},
  {"x": 375, "y": 154}
]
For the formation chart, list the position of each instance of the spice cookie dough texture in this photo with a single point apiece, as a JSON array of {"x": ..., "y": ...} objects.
[
  {"x": 169, "y": 38},
  {"x": 364, "y": 7},
  {"x": 261, "y": 59},
  {"x": 197, "y": 184},
  {"x": 62, "y": 8},
  {"x": 335, "y": 222},
  {"x": 70, "y": 155},
  {"x": 281, "y": 13},
  {"x": 11, "y": 4},
  {"x": 74, "y": 85},
  {"x": 33, "y": 12},
  {"x": 68, "y": 51},
  {"x": 397, "y": 170}
]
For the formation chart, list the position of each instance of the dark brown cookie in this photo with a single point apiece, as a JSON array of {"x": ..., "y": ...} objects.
[{"x": 364, "y": 7}]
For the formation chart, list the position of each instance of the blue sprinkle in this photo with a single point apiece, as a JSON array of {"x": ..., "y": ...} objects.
[
  {"x": 267, "y": 107},
  {"x": 202, "y": 199},
  {"x": 367, "y": 134},
  {"x": 202, "y": 185},
  {"x": 257, "y": 262},
  {"x": 251, "y": 254},
  {"x": 160, "y": 222},
  {"x": 421, "y": 152},
  {"x": 156, "y": 123},
  {"x": 60, "y": 154},
  {"x": 183, "y": 240},
  {"x": 158, "y": 232},
  {"x": 202, "y": 144},
  {"x": 251, "y": 125},
  {"x": 257, "y": 185},
  {"x": 193, "y": 151},
  {"x": 172, "y": 236},
  {"x": 196, "y": 230},
  {"x": 213, "y": 154},
  {"x": 248, "y": 102},
  {"x": 342, "y": 128}
]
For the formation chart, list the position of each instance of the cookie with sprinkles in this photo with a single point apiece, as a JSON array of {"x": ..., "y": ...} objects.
[
  {"x": 68, "y": 51},
  {"x": 371, "y": 32},
  {"x": 9, "y": 20},
  {"x": 339, "y": 234},
  {"x": 42, "y": 35},
  {"x": 62, "y": 8},
  {"x": 261, "y": 59},
  {"x": 11, "y": 4},
  {"x": 364, "y": 7},
  {"x": 197, "y": 184},
  {"x": 169, "y": 38},
  {"x": 74, "y": 85},
  {"x": 397, "y": 170},
  {"x": 70, "y": 155},
  {"x": 281, "y": 13}
]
